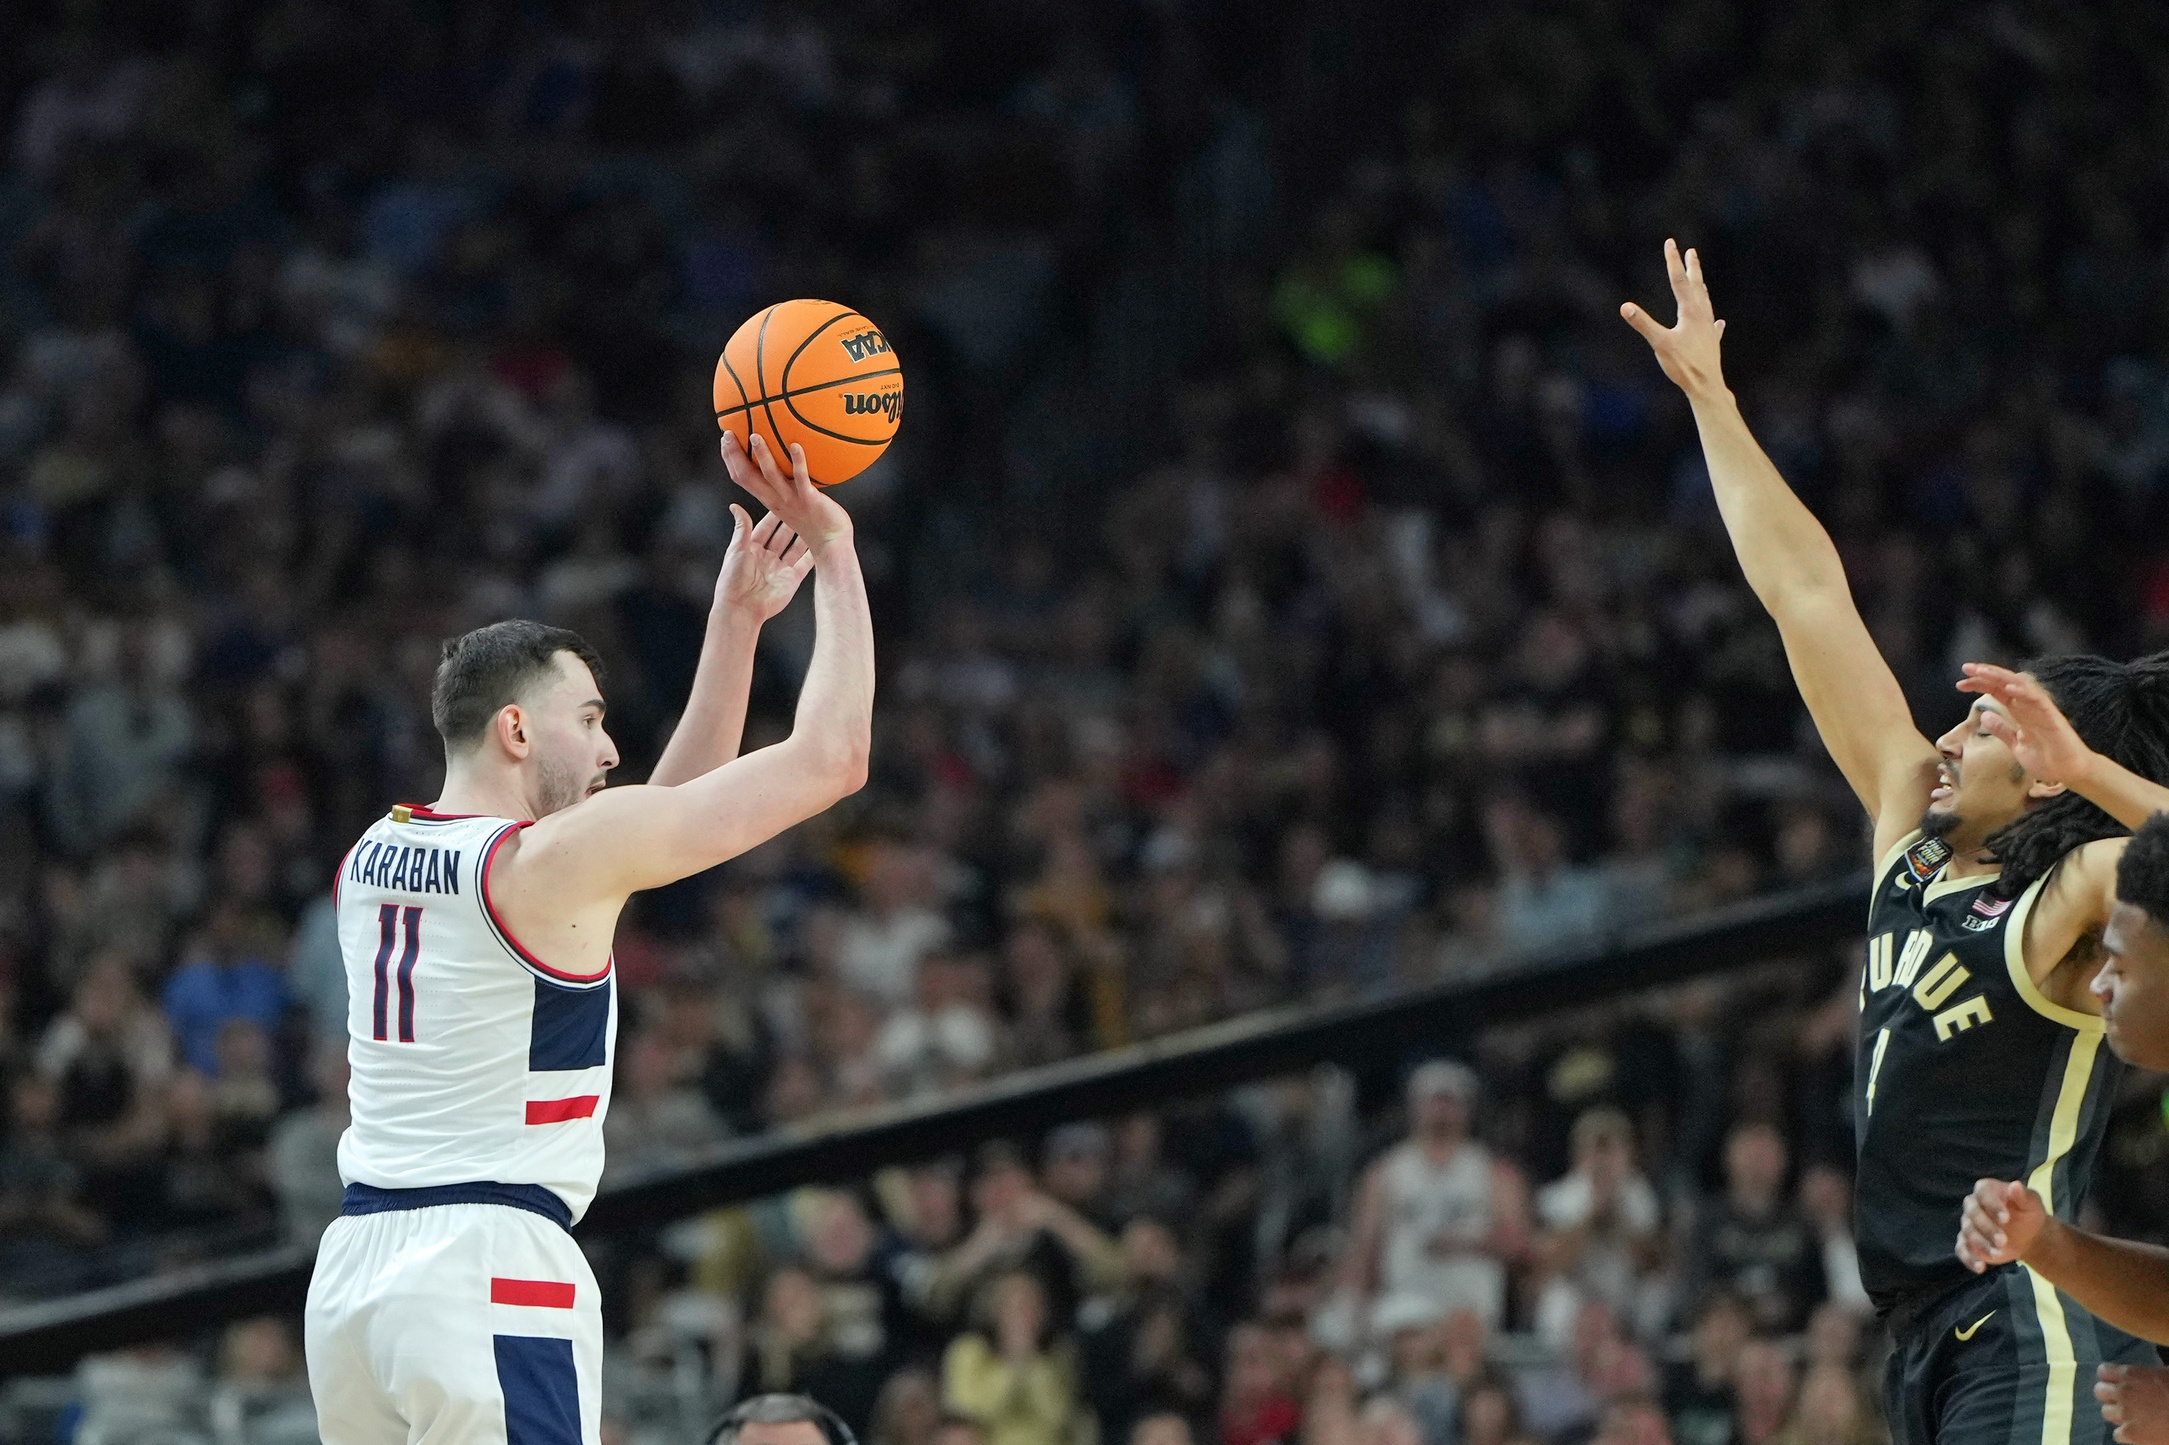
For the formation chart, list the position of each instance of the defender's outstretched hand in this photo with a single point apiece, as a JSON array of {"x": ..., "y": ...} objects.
[
  {"x": 804, "y": 507},
  {"x": 2000, "y": 1222},
  {"x": 2039, "y": 735},
  {"x": 2135, "y": 1399},
  {"x": 1688, "y": 351},
  {"x": 761, "y": 571},
  {"x": 2045, "y": 744}
]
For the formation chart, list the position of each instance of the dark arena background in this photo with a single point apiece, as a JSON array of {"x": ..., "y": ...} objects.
[{"x": 1308, "y": 648}]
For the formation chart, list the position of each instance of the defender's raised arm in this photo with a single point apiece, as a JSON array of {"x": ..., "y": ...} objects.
[{"x": 1795, "y": 570}]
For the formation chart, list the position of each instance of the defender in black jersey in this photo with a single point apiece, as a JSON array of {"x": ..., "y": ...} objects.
[
  {"x": 1980, "y": 1049},
  {"x": 2120, "y": 1280}
]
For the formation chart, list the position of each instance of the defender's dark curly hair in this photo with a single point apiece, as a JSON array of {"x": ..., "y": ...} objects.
[
  {"x": 2120, "y": 710},
  {"x": 2142, "y": 874}
]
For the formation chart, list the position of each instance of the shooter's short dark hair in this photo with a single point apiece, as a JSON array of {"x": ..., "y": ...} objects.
[
  {"x": 2142, "y": 875},
  {"x": 483, "y": 670}
]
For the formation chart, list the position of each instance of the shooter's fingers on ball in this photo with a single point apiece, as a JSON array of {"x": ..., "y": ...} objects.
[
  {"x": 746, "y": 472},
  {"x": 765, "y": 459}
]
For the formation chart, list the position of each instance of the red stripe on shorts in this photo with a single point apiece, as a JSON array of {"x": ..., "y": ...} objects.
[
  {"x": 557, "y": 1111},
  {"x": 549, "y": 1294}
]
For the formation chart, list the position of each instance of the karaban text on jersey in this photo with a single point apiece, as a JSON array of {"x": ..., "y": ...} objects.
[{"x": 405, "y": 868}]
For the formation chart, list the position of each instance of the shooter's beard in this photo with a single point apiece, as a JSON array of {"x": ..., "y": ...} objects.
[{"x": 559, "y": 787}]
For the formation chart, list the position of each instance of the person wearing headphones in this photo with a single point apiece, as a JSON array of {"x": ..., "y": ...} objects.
[{"x": 780, "y": 1420}]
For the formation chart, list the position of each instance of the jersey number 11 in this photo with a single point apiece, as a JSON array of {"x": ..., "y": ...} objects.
[{"x": 388, "y": 927}]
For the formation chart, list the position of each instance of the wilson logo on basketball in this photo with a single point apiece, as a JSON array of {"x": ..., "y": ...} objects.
[
  {"x": 889, "y": 403},
  {"x": 865, "y": 344}
]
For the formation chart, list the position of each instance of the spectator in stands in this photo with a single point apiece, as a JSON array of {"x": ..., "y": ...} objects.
[
  {"x": 1164, "y": 1427},
  {"x": 1753, "y": 1241},
  {"x": 1601, "y": 1232},
  {"x": 1633, "y": 1421},
  {"x": 1439, "y": 1216},
  {"x": 946, "y": 1037},
  {"x": 1546, "y": 902},
  {"x": 1307, "y": 1141},
  {"x": 1040, "y": 982},
  {"x": 1387, "y": 1421},
  {"x": 1464, "y": 1359},
  {"x": 46, "y": 1234},
  {"x": 1073, "y": 1169},
  {"x": 1763, "y": 1384},
  {"x": 1599, "y": 1366},
  {"x": 908, "y": 1411},
  {"x": 212, "y": 1177},
  {"x": 127, "y": 735},
  {"x": 1416, "y": 1368},
  {"x": 1829, "y": 1411},
  {"x": 111, "y": 1058},
  {"x": 855, "y": 1305},
  {"x": 317, "y": 973},
  {"x": 1141, "y": 1180},
  {"x": 1491, "y": 1413},
  {"x": 261, "y": 1394},
  {"x": 925, "y": 1209},
  {"x": 1018, "y": 1223},
  {"x": 245, "y": 1098},
  {"x": 231, "y": 974},
  {"x": 303, "y": 1155},
  {"x": 1833, "y": 1336},
  {"x": 655, "y": 1121},
  {"x": 896, "y": 925},
  {"x": 1146, "y": 1360},
  {"x": 1011, "y": 1374},
  {"x": 960, "y": 1430},
  {"x": 1698, "y": 1391},
  {"x": 1826, "y": 1198},
  {"x": 790, "y": 1350},
  {"x": 1256, "y": 1407},
  {"x": 1333, "y": 1404}
]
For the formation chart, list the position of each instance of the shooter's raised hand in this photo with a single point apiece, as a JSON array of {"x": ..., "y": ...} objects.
[
  {"x": 804, "y": 507},
  {"x": 761, "y": 571},
  {"x": 1688, "y": 351}
]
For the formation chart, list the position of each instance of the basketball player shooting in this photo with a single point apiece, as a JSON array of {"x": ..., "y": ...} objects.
[
  {"x": 450, "y": 1304},
  {"x": 1979, "y": 1051}
]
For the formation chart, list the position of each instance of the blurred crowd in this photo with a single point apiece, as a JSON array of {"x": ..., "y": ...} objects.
[{"x": 1294, "y": 583}]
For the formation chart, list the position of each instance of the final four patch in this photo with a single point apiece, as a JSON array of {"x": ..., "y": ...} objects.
[{"x": 1922, "y": 861}]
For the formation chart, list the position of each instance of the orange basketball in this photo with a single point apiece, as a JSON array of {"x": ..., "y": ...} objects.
[{"x": 815, "y": 373}]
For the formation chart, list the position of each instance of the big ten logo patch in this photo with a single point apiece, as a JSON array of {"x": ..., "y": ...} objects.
[{"x": 865, "y": 344}]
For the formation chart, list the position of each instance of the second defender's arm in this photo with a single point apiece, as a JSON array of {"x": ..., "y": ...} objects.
[
  {"x": 1795, "y": 571},
  {"x": 2047, "y": 746},
  {"x": 2124, "y": 1282}
]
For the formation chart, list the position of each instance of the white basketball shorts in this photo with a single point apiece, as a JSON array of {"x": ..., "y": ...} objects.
[{"x": 454, "y": 1323}]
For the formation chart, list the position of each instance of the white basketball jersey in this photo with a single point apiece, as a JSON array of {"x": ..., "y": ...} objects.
[
  {"x": 1437, "y": 1218},
  {"x": 474, "y": 1061}
]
